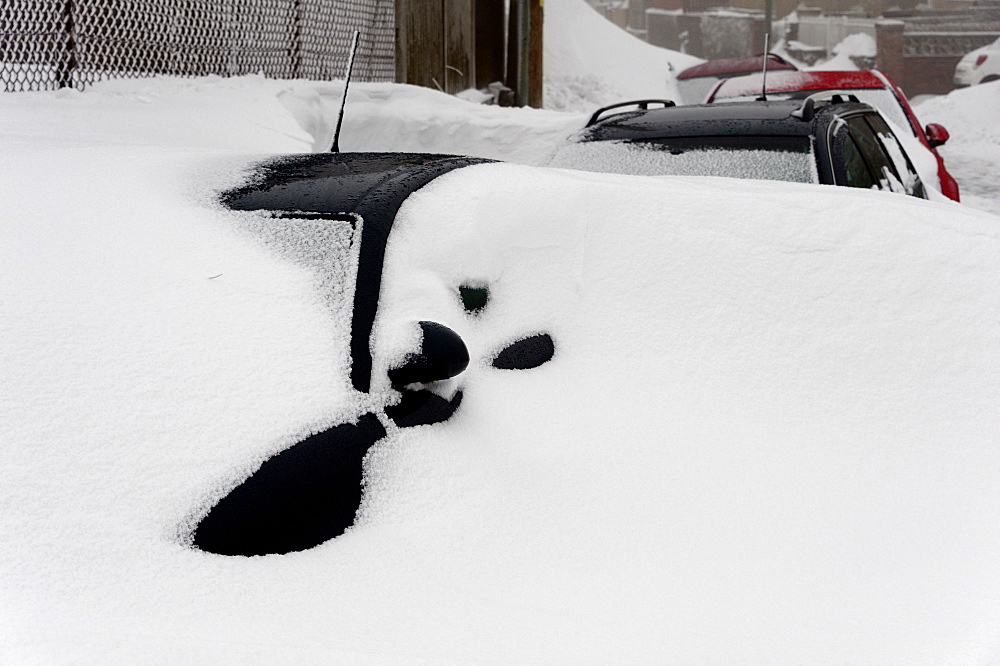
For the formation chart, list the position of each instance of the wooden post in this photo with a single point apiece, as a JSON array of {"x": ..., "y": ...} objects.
[
  {"x": 517, "y": 42},
  {"x": 420, "y": 54},
  {"x": 536, "y": 79},
  {"x": 435, "y": 44},
  {"x": 524, "y": 51},
  {"x": 459, "y": 65},
  {"x": 490, "y": 40}
]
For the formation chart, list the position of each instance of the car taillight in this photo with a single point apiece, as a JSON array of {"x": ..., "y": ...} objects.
[{"x": 980, "y": 60}]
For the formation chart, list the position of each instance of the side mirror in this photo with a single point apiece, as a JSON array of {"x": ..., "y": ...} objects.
[
  {"x": 937, "y": 135},
  {"x": 442, "y": 355}
]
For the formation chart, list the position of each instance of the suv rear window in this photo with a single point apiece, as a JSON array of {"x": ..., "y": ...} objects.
[{"x": 788, "y": 158}]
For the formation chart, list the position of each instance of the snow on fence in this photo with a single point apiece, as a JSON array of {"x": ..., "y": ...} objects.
[{"x": 50, "y": 44}]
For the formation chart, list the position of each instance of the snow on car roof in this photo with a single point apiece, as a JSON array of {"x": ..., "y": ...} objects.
[
  {"x": 733, "y": 66},
  {"x": 785, "y": 80}
]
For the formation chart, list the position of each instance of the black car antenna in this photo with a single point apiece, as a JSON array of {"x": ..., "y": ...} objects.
[
  {"x": 335, "y": 148},
  {"x": 763, "y": 81}
]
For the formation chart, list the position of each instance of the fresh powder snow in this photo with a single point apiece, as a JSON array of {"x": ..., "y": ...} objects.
[
  {"x": 973, "y": 151},
  {"x": 768, "y": 433}
]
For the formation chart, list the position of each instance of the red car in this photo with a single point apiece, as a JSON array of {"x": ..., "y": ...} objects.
[
  {"x": 871, "y": 87},
  {"x": 694, "y": 82}
]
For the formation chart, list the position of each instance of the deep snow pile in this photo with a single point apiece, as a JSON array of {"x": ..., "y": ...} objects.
[
  {"x": 973, "y": 151},
  {"x": 591, "y": 62},
  {"x": 273, "y": 116},
  {"x": 764, "y": 437},
  {"x": 410, "y": 118}
]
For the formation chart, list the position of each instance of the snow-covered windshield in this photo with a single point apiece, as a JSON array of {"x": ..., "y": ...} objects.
[
  {"x": 880, "y": 98},
  {"x": 762, "y": 158},
  {"x": 326, "y": 248}
]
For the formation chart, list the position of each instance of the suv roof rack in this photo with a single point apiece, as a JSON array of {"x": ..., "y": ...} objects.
[
  {"x": 643, "y": 104},
  {"x": 808, "y": 108}
]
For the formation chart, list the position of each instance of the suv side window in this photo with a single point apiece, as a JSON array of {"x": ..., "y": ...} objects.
[
  {"x": 874, "y": 153},
  {"x": 854, "y": 165},
  {"x": 910, "y": 180}
]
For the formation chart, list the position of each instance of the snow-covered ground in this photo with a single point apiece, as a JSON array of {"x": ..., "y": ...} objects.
[
  {"x": 768, "y": 434},
  {"x": 972, "y": 116},
  {"x": 590, "y": 62}
]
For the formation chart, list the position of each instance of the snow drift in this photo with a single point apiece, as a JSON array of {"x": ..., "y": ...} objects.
[
  {"x": 768, "y": 433},
  {"x": 973, "y": 152},
  {"x": 590, "y": 62}
]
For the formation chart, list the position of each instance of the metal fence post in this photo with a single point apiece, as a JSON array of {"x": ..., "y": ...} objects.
[
  {"x": 296, "y": 50},
  {"x": 67, "y": 62}
]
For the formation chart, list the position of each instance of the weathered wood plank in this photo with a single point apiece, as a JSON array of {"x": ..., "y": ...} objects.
[
  {"x": 536, "y": 82},
  {"x": 459, "y": 48},
  {"x": 420, "y": 43}
]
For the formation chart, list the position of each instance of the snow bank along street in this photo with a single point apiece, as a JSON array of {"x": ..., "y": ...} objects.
[{"x": 973, "y": 153}]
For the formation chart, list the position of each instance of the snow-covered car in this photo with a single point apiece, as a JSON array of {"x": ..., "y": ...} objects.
[
  {"x": 825, "y": 139},
  {"x": 765, "y": 430},
  {"x": 981, "y": 65},
  {"x": 310, "y": 492},
  {"x": 871, "y": 87}
]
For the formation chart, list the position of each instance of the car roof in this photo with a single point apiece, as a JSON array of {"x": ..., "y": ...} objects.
[
  {"x": 370, "y": 185},
  {"x": 735, "y": 66},
  {"x": 741, "y": 118},
  {"x": 783, "y": 81}
]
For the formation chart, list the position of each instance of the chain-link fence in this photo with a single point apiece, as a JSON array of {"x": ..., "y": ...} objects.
[{"x": 50, "y": 44}]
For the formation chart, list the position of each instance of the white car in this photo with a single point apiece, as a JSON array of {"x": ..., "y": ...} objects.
[{"x": 979, "y": 66}]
